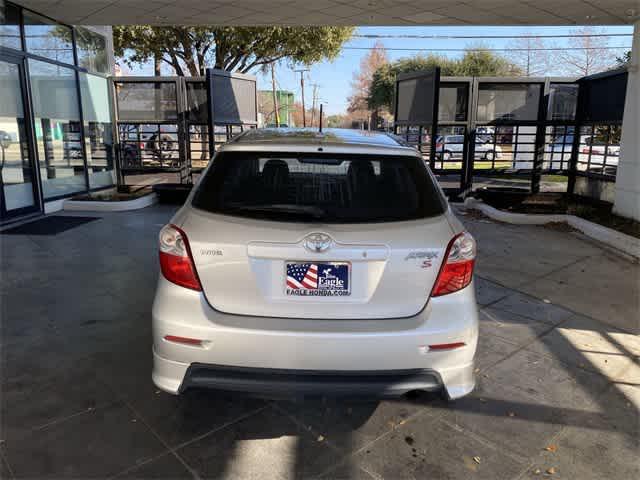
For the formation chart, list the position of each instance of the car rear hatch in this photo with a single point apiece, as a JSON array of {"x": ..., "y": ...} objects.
[{"x": 289, "y": 257}]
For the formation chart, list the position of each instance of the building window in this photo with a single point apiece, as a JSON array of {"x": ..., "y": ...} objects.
[
  {"x": 92, "y": 50},
  {"x": 48, "y": 39},
  {"x": 57, "y": 127},
  {"x": 10, "y": 26},
  {"x": 508, "y": 102},
  {"x": 96, "y": 110}
]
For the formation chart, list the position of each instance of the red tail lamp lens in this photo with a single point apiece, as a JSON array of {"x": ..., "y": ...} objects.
[
  {"x": 457, "y": 269},
  {"x": 176, "y": 261}
]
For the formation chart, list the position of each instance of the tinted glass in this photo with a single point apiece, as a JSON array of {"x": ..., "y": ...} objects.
[
  {"x": 57, "y": 128},
  {"x": 197, "y": 105},
  {"x": 152, "y": 101},
  {"x": 563, "y": 101},
  {"x": 9, "y": 26},
  {"x": 452, "y": 104},
  {"x": 415, "y": 100},
  {"x": 16, "y": 171},
  {"x": 48, "y": 39},
  {"x": 508, "y": 102},
  {"x": 319, "y": 188},
  {"x": 98, "y": 129},
  {"x": 92, "y": 50},
  {"x": 234, "y": 99},
  {"x": 602, "y": 99}
]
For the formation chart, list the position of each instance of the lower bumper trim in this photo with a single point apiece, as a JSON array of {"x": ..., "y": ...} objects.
[{"x": 303, "y": 382}]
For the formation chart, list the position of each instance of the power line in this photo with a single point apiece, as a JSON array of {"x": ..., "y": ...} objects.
[
  {"x": 479, "y": 37},
  {"x": 545, "y": 49}
]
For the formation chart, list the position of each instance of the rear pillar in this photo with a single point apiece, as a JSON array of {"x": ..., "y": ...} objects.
[{"x": 627, "y": 196}]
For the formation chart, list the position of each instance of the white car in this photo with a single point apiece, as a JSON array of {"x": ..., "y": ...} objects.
[
  {"x": 449, "y": 147},
  {"x": 316, "y": 264},
  {"x": 592, "y": 154}
]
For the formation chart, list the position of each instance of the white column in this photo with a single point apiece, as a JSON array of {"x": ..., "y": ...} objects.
[{"x": 627, "y": 199}]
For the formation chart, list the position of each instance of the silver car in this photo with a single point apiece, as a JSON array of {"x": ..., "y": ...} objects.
[
  {"x": 449, "y": 147},
  {"x": 315, "y": 263}
]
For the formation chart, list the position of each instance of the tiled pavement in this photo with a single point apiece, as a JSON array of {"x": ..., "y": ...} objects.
[{"x": 77, "y": 400}]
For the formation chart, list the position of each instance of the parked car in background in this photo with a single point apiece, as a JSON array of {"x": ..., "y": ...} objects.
[
  {"x": 452, "y": 147},
  {"x": 316, "y": 264},
  {"x": 593, "y": 154}
]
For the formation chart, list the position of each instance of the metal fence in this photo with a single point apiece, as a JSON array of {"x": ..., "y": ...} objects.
[
  {"x": 165, "y": 124},
  {"x": 526, "y": 134}
]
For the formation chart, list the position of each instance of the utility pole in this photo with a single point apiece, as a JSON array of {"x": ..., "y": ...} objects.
[
  {"x": 313, "y": 105},
  {"x": 275, "y": 97},
  {"x": 304, "y": 113}
]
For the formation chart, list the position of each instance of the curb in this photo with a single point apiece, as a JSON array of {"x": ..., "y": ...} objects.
[
  {"x": 618, "y": 240},
  {"x": 122, "y": 206}
]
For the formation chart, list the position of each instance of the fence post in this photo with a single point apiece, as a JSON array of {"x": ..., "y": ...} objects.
[
  {"x": 183, "y": 131},
  {"x": 466, "y": 180},
  {"x": 210, "y": 112},
  {"x": 538, "y": 155},
  {"x": 573, "y": 162}
]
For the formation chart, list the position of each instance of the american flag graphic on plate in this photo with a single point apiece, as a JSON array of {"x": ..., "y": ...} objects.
[{"x": 318, "y": 279}]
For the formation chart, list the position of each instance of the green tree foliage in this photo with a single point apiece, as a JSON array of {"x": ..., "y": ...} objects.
[
  {"x": 336, "y": 121},
  {"x": 473, "y": 63},
  {"x": 624, "y": 60},
  {"x": 190, "y": 50}
]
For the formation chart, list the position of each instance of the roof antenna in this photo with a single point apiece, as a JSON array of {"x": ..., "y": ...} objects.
[{"x": 320, "y": 124}]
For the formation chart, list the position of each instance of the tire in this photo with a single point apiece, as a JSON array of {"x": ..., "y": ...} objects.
[{"x": 490, "y": 155}]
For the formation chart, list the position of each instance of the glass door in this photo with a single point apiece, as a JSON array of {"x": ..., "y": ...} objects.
[{"x": 17, "y": 181}]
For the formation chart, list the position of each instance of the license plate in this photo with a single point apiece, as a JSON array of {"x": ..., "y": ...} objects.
[{"x": 327, "y": 279}]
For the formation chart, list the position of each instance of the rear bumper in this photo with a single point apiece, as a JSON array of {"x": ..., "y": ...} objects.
[
  {"x": 300, "y": 382},
  {"x": 176, "y": 377},
  {"x": 272, "y": 355}
]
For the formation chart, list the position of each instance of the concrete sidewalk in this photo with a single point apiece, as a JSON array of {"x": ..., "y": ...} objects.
[{"x": 558, "y": 374}]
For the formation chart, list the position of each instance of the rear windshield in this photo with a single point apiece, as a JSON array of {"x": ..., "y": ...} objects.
[{"x": 319, "y": 188}]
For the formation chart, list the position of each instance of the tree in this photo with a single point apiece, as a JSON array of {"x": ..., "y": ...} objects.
[
  {"x": 336, "y": 121},
  {"x": 190, "y": 50},
  {"x": 624, "y": 60},
  {"x": 529, "y": 55},
  {"x": 585, "y": 54},
  {"x": 473, "y": 63},
  {"x": 358, "y": 100},
  {"x": 480, "y": 62}
]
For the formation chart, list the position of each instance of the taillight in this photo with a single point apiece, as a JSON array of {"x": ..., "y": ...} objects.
[
  {"x": 457, "y": 269},
  {"x": 176, "y": 261}
]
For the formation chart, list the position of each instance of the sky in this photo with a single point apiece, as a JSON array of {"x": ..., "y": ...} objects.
[{"x": 334, "y": 77}]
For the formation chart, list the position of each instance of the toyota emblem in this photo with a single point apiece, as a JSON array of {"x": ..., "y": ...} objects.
[{"x": 317, "y": 242}]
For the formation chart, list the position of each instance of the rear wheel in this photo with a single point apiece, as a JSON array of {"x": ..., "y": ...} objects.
[{"x": 489, "y": 155}]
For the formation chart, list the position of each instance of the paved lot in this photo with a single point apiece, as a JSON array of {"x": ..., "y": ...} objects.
[{"x": 77, "y": 400}]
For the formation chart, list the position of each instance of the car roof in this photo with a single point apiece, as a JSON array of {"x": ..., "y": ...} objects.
[{"x": 334, "y": 139}]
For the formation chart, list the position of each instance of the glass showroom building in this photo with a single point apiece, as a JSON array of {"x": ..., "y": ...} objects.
[{"x": 56, "y": 135}]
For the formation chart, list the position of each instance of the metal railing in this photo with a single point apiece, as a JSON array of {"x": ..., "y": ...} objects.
[
  {"x": 520, "y": 133},
  {"x": 164, "y": 125}
]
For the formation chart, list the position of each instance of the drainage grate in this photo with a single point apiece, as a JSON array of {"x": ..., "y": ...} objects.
[{"x": 49, "y": 225}]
